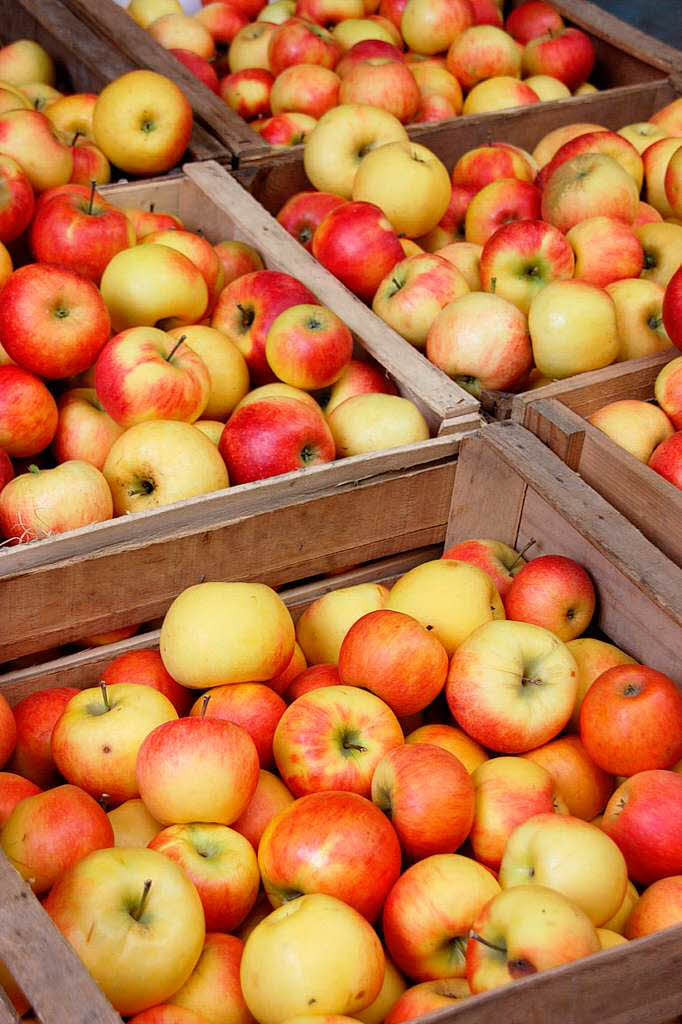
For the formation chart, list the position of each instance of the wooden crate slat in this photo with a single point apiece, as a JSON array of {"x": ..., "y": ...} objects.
[{"x": 8, "y": 1015}]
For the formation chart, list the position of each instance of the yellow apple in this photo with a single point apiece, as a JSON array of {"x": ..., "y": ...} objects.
[
  {"x": 273, "y": 390},
  {"x": 212, "y": 429},
  {"x": 144, "y": 12},
  {"x": 639, "y": 319},
  {"x": 550, "y": 143},
  {"x": 636, "y": 426},
  {"x": 149, "y": 283},
  {"x": 40, "y": 94},
  {"x": 133, "y": 825},
  {"x": 656, "y": 158},
  {"x": 609, "y": 939},
  {"x": 619, "y": 920},
  {"x": 662, "y": 244},
  {"x": 547, "y": 88},
  {"x": 499, "y": 93},
  {"x": 217, "y": 633},
  {"x": 355, "y": 30},
  {"x": 28, "y": 137},
  {"x": 312, "y": 951},
  {"x": 25, "y": 61},
  {"x": 572, "y": 328},
  {"x": 375, "y": 422},
  {"x": 466, "y": 256},
  {"x": 391, "y": 990},
  {"x": 249, "y": 48},
  {"x": 642, "y": 134},
  {"x": 408, "y": 182},
  {"x": 323, "y": 625},
  {"x": 226, "y": 367}
]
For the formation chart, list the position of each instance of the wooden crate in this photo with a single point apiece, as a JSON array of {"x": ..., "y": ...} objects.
[
  {"x": 559, "y": 418},
  {"x": 286, "y": 528},
  {"x": 509, "y": 486},
  {"x": 86, "y": 62}
]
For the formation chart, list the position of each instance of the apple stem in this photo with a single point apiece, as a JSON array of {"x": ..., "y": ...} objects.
[
  {"x": 75, "y": 138},
  {"x": 33, "y": 468},
  {"x": 152, "y": 207},
  {"x": 204, "y": 705},
  {"x": 484, "y": 942},
  {"x": 93, "y": 186},
  {"x": 521, "y": 553},
  {"x": 175, "y": 348},
  {"x": 105, "y": 695},
  {"x": 139, "y": 909}
]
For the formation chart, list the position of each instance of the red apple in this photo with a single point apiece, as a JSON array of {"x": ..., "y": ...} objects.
[
  {"x": 304, "y": 212},
  {"x": 84, "y": 431},
  {"x": 567, "y": 54},
  {"x": 554, "y": 592},
  {"x": 145, "y": 374},
  {"x": 147, "y": 221},
  {"x": 270, "y": 797},
  {"x": 306, "y": 89},
  {"x": 8, "y": 731},
  {"x": 13, "y": 788},
  {"x": 532, "y": 19},
  {"x": 313, "y": 678},
  {"x": 223, "y": 21},
  {"x": 213, "y": 991},
  {"x": 486, "y": 12},
  {"x": 89, "y": 164},
  {"x": 297, "y": 664},
  {"x": 667, "y": 459},
  {"x": 247, "y": 308},
  {"x": 424, "y": 999},
  {"x": 308, "y": 347},
  {"x": 247, "y": 92},
  {"x": 428, "y": 795},
  {"x": 659, "y": 907},
  {"x": 359, "y": 378},
  {"x": 47, "y": 833},
  {"x": 631, "y": 720},
  {"x": 500, "y": 203},
  {"x": 365, "y": 50},
  {"x": 395, "y": 657},
  {"x": 17, "y": 201},
  {"x": 524, "y": 256},
  {"x": 52, "y": 322},
  {"x": 480, "y": 166},
  {"x": 6, "y": 468},
  {"x": 253, "y": 706},
  {"x": 501, "y": 562},
  {"x": 386, "y": 84},
  {"x": 316, "y": 733},
  {"x": 454, "y": 740},
  {"x": 290, "y": 129},
  {"x": 237, "y": 259},
  {"x": 334, "y": 843},
  {"x": 273, "y": 436},
  {"x": 28, "y": 413},
  {"x": 36, "y": 717},
  {"x": 199, "y": 67},
  {"x": 672, "y": 308},
  {"x": 145, "y": 668},
  {"x": 393, "y": 10},
  {"x": 644, "y": 818},
  {"x": 358, "y": 244},
  {"x": 297, "y": 41}
]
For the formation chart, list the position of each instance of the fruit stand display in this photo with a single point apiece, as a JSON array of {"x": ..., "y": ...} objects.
[
  {"x": 559, "y": 416},
  {"x": 86, "y": 62},
  {"x": 357, "y": 509},
  {"x": 508, "y": 486},
  {"x": 625, "y": 58}
]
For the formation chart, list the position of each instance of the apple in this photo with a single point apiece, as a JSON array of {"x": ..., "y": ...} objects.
[
  {"x": 284, "y": 130},
  {"x": 144, "y": 12},
  {"x": 553, "y": 592},
  {"x": 45, "y": 834},
  {"x": 481, "y": 52},
  {"x": 604, "y": 143},
  {"x": 247, "y": 92},
  {"x": 631, "y": 720},
  {"x": 433, "y": 108},
  {"x": 592, "y": 658},
  {"x": 488, "y": 687},
  {"x": 437, "y": 81},
  {"x": 197, "y": 769},
  {"x": 451, "y": 598},
  {"x": 305, "y": 88},
  {"x": 430, "y": 27},
  {"x": 84, "y": 430},
  {"x": 564, "y": 345},
  {"x": 521, "y": 258},
  {"x": 17, "y": 202},
  {"x": 643, "y": 817},
  {"x": 29, "y": 139},
  {"x": 567, "y": 54},
  {"x": 428, "y": 997},
  {"x": 618, "y": 922},
  {"x": 89, "y": 164},
  {"x": 250, "y": 47},
  {"x": 422, "y": 197},
  {"x": 297, "y": 41},
  {"x": 606, "y": 250},
  {"x": 212, "y": 992},
  {"x": 364, "y": 50},
  {"x": 481, "y": 341},
  {"x": 341, "y": 139},
  {"x": 501, "y": 202},
  {"x": 329, "y": 12},
  {"x": 180, "y": 31},
  {"x": 145, "y": 374},
  {"x": 662, "y": 245},
  {"x": 277, "y": 390},
  {"x": 270, "y": 797},
  {"x": 222, "y": 865},
  {"x": 166, "y": 1013},
  {"x": 146, "y": 221},
  {"x": 6, "y": 468},
  {"x": 482, "y": 165},
  {"x": 13, "y": 789},
  {"x": 525, "y": 930},
  {"x": 634, "y": 425},
  {"x": 308, "y": 347},
  {"x": 570, "y": 856},
  {"x": 142, "y": 122},
  {"x": 237, "y": 259},
  {"x": 532, "y": 19},
  {"x": 639, "y": 317},
  {"x": 583, "y": 786},
  {"x": 429, "y": 911},
  {"x": 72, "y": 114},
  {"x": 392, "y": 988},
  {"x": 133, "y": 825},
  {"x": 28, "y": 413},
  {"x": 53, "y": 322},
  {"x": 176, "y": 289},
  {"x": 375, "y": 422},
  {"x": 359, "y": 245},
  {"x": 324, "y": 623},
  {"x": 35, "y": 717},
  {"x": 672, "y": 302},
  {"x": 429, "y": 797},
  {"x": 359, "y": 378},
  {"x": 223, "y": 21},
  {"x": 160, "y": 462},
  {"x": 286, "y": 961},
  {"x": 667, "y": 459},
  {"x": 656, "y": 159},
  {"x": 253, "y": 706},
  {"x": 414, "y": 292},
  {"x": 386, "y": 84},
  {"x": 499, "y": 93},
  {"x": 342, "y": 719},
  {"x": 452, "y": 739},
  {"x": 226, "y": 366},
  {"x": 668, "y": 390},
  {"x": 466, "y": 257},
  {"x": 673, "y": 184},
  {"x": 351, "y": 31},
  {"x": 119, "y": 909},
  {"x": 313, "y": 678},
  {"x": 38, "y": 94},
  {"x": 396, "y": 658},
  {"x": 43, "y": 502},
  {"x": 669, "y": 119},
  {"x": 200, "y": 252},
  {"x": 551, "y": 143},
  {"x": 26, "y": 61},
  {"x": 302, "y": 214},
  {"x": 659, "y": 907},
  {"x": 336, "y": 843},
  {"x": 589, "y": 185},
  {"x": 392, "y": 10},
  {"x": 248, "y": 307},
  {"x": 547, "y": 88},
  {"x": 642, "y": 134},
  {"x": 199, "y": 66},
  {"x": 244, "y": 633}
]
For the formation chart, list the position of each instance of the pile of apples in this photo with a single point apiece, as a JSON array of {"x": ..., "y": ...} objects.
[
  {"x": 420, "y": 60},
  {"x": 466, "y": 790},
  {"x": 245, "y": 377},
  {"x": 514, "y": 269},
  {"x": 141, "y": 123},
  {"x": 650, "y": 432}
]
